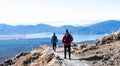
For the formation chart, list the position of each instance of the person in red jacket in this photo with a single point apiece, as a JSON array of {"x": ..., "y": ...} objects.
[{"x": 67, "y": 39}]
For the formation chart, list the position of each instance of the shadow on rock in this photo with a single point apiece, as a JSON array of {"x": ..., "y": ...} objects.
[
  {"x": 92, "y": 58},
  {"x": 74, "y": 59}
]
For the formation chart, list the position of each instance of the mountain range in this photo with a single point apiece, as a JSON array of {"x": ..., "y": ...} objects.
[{"x": 104, "y": 27}]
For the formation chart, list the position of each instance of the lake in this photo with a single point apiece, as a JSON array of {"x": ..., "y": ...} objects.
[
  {"x": 10, "y": 45},
  {"x": 77, "y": 38}
]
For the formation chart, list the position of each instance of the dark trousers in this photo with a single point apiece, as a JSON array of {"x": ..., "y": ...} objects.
[
  {"x": 54, "y": 46},
  {"x": 67, "y": 48}
]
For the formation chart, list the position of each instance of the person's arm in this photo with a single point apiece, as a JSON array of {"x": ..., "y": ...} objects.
[
  {"x": 71, "y": 38},
  {"x": 63, "y": 39},
  {"x": 56, "y": 39}
]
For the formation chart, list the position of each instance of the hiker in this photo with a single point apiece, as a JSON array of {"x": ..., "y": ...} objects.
[
  {"x": 67, "y": 39},
  {"x": 54, "y": 41}
]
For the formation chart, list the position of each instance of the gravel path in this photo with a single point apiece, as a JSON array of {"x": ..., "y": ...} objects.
[{"x": 75, "y": 61}]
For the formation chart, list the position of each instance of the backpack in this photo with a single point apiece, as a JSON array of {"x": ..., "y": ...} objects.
[
  {"x": 54, "y": 38},
  {"x": 68, "y": 38}
]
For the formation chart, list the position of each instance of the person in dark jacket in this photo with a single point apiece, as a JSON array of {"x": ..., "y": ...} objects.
[
  {"x": 67, "y": 39},
  {"x": 54, "y": 41}
]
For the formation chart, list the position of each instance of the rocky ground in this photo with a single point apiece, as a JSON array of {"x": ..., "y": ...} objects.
[
  {"x": 83, "y": 55},
  {"x": 103, "y": 55},
  {"x": 41, "y": 56},
  {"x": 104, "y": 52}
]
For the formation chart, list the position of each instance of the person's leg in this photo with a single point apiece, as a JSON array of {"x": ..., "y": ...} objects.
[
  {"x": 65, "y": 52},
  {"x": 55, "y": 47},
  {"x": 69, "y": 51}
]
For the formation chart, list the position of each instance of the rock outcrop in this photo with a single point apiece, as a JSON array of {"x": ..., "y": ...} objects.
[
  {"x": 108, "y": 38},
  {"x": 105, "y": 51},
  {"x": 41, "y": 56}
]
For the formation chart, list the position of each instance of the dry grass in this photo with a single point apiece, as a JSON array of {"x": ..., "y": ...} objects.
[{"x": 108, "y": 38}]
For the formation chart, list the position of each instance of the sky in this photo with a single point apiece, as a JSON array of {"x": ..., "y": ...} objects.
[{"x": 58, "y": 12}]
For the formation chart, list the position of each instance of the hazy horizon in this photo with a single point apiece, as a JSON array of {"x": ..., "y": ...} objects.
[{"x": 58, "y": 24}]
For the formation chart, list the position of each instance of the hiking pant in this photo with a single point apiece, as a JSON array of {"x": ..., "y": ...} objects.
[
  {"x": 54, "y": 46},
  {"x": 67, "y": 48}
]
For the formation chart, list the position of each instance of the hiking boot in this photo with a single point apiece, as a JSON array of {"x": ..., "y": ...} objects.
[
  {"x": 64, "y": 57},
  {"x": 70, "y": 58},
  {"x": 54, "y": 50}
]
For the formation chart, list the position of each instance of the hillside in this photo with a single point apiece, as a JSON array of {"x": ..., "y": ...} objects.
[
  {"x": 105, "y": 27},
  {"x": 99, "y": 28},
  {"x": 104, "y": 52},
  {"x": 25, "y": 29},
  {"x": 41, "y": 56}
]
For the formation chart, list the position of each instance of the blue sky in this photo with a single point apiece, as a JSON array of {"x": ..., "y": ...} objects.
[{"x": 58, "y": 12}]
